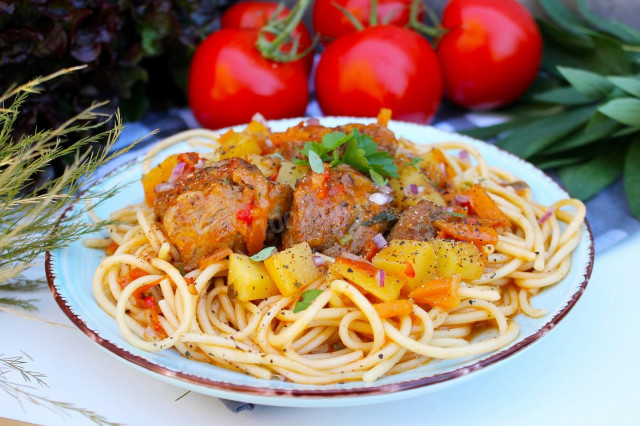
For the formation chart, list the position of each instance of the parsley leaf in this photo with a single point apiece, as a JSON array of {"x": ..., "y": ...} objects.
[
  {"x": 315, "y": 162},
  {"x": 414, "y": 161},
  {"x": 360, "y": 152},
  {"x": 305, "y": 299},
  {"x": 263, "y": 254}
]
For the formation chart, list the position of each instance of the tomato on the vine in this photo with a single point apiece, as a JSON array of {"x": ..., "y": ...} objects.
[
  {"x": 253, "y": 15},
  {"x": 490, "y": 54},
  {"x": 230, "y": 80},
  {"x": 380, "y": 67},
  {"x": 331, "y": 22}
]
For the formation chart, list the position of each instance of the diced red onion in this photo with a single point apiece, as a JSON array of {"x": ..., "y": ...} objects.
[
  {"x": 462, "y": 199},
  {"x": 161, "y": 187},
  {"x": 176, "y": 172},
  {"x": 259, "y": 118},
  {"x": 379, "y": 241},
  {"x": 380, "y": 198},
  {"x": 546, "y": 215},
  {"x": 313, "y": 121},
  {"x": 268, "y": 143},
  {"x": 413, "y": 188},
  {"x": 352, "y": 256},
  {"x": 385, "y": 189},
  {"x": 449, "y": 209},
  {"x": 318, "y": 260},
  {"x": 381, "y": 277},
  {"x": 464, "y": 156},
  {"x": 347, "y": 179},
  {"x": 199, "y": 164},
  {"x": 443, "y": 169}
]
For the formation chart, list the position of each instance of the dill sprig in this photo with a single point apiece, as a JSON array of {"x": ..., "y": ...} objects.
[
  {"x": 29, "y": 210},
  {"x": 23, "y": 392}
]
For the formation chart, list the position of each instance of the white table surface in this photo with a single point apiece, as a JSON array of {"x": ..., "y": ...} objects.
[{"x": 586, "y": 371}]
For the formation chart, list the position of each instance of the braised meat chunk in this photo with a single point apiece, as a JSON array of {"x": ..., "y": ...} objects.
[
  {"x": 332, "y": 212},
  {"x": 227, "y": 204},
  {"x": 416, "y": 222}
]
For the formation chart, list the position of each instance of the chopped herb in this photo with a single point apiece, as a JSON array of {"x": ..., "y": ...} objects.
[
  {"x": 384, "y": 216},
  {"x": 345, "y": 239},
  {"x": 414, "y": 161},
  {"x": 315, "y": 162},
  {"x": 305, "y": 299},
  {"x": 263, "y": 254},
  {"x": 455, "y": 214},
  {"x": 361, "y": 152}
]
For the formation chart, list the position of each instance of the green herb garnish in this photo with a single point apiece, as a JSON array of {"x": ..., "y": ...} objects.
[
  {"x": 263, "y": 254},
  {"x": 345, "y": 239},
  {"x": 383, "y": 216},
  {"x": 305, "y": 299},
  {"x": 360, "y": 152},
  {"x": 454, "y": 214}
]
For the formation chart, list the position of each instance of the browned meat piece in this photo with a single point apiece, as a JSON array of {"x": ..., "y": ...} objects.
[
  {"x": 384, "y": 137},
  {"x": 416, "y": 222},
  {"x": 225, "y": 205},
  {"x": 329, "y": 210}
]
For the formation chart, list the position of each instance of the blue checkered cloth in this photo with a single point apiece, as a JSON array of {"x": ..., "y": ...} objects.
[{"x": 608, "y": 212}]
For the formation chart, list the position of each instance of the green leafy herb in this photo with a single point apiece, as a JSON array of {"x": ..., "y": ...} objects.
[
  {"x": 414, "y": 161},
  {"x": 455, "y": 214},
  {"x": 263, "y": 254},
  {"x": 305, "y": 299},
  {"x": 383, "y": 216},
  {"x": 345, "y": 239},
  {"x": 355, "y": 149},
  {"x": 582, "y": 116}
]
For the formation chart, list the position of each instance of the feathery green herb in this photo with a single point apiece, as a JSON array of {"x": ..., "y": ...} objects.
[
  {"x": 582, "y": 116},
  {"x": 29, "y": 210}
]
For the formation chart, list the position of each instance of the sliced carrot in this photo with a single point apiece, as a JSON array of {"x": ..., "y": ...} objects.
[
  {"x": 393, "y": 308},
  {"x": 438, "y": 292},
  {"x": 111, "y": 248},
  {"x": 461, "y": 231},
  {"x": 365, "y": 267},
  {"x": 484, "y": 206},
  {"x": 217, "y": 255},
  {"x": 384, "y": 116}
]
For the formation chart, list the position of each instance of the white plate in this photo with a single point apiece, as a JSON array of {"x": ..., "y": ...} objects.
[{"x": 70, "y": 272}]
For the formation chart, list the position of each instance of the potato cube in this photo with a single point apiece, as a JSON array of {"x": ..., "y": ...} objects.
[
  {"x": 458, "y": 258},
  {"x": 238, "y": 145},
  {"x": 290, "y": 173},
  {"x": 292, "y": 268},
  {"x": 412, "y": 261},
  {"x": 267, "y": 164},
  {"x": 367, "y": 278},
  {"x": 249, "y": 280}
]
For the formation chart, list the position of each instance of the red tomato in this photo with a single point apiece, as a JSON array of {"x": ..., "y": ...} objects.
[
  {"x": 380, "y": 67},
  {"x": 491, "y": 54},
  {"x": 329, "y": 21},
  {"x": 229, "y": 81},
  {"x": 253, "y": 15}
]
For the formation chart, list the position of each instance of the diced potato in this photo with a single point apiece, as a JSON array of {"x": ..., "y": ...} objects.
[
  {"x": 410, "y": 175},
  {"x": 404, "y": 258},
  {"x": 249, "y": 280},
  {"x": 291, "y": 172},
  {"x": 368, "y": 280},
  {"x": 238, "y": 145},
  {"x": 267, "y": 164},
  {"x": 436, "y": 167},
  {"x": 458, "y": 258},
  {"x": 159, "y": 174},
  {"x": 292, "y": 268}
]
